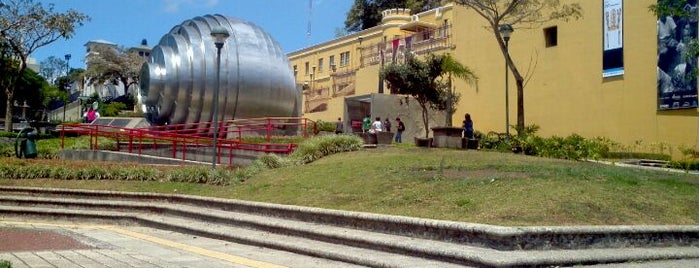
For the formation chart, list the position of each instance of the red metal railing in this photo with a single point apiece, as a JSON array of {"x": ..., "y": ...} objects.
[{"x": 254, "y": 134}]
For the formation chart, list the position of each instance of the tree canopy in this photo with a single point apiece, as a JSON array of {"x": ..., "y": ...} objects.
[
  {"x": 114, "y": 64},
  {"x": 26, "y": 26},
  {"x": 428, "y": 81},
  {"x": 365, "y": 14}
]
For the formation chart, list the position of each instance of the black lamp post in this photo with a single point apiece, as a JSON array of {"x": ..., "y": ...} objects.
[
  {"x": 65, "y": 101},
  {"x": 220, "y": 35},
  {"x": 506, "y": 30}
]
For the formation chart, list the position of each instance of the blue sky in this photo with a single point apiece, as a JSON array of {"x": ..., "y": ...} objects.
[{"x": 127, "y": 22}]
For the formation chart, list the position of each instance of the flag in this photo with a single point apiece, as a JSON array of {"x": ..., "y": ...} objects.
[{"x": 395, "y": 49}]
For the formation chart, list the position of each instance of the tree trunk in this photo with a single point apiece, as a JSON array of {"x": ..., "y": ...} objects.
[
  {"x": 425, "y": 119},
  {"x": 8, "y": 111},
  {"x": 450, "y": 100},
  {"x": 520, "y": 105}
]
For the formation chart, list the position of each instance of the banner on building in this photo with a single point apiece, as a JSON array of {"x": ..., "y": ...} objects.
[
  {"x": 676, "y": 70},
  {"x": 613, "y": 39}
]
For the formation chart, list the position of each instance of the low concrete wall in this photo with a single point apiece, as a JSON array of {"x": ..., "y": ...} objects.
[{"x": 163, "y": 156}]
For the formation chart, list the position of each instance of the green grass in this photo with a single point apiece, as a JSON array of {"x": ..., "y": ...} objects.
[{"x": 470, "y": 186}]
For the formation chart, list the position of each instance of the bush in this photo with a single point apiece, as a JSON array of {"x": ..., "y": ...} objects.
[
  {"x": 573, "y": 147},
  {"x": 307, "y": 151},
  {"x": 5, "y": 264},
  {"x": 325, "y": 126}
]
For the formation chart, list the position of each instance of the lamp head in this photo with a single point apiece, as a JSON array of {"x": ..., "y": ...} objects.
[
  {"x": 506, "y": 31},
  {"x": 220, "y": 35},
  {"x": 67, "y": 57}
]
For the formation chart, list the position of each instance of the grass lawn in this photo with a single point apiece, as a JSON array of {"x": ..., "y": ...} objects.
[{"x": 469, "y": 186}]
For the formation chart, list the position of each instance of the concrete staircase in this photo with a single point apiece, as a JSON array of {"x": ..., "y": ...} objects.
[{"x": 360, "y": 238}]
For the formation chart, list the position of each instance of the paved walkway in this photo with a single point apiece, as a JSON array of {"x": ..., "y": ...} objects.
[{"x": 43, "y": 244}]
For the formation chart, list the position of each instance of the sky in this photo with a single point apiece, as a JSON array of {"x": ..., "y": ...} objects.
[{"x": 127, "y": 22}]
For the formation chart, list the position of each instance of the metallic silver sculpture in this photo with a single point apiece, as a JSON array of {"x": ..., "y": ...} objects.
[{"x": 178, "y": 82}]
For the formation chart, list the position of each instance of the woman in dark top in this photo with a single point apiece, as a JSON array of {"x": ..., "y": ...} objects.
[{"x": 468, "y": 127}]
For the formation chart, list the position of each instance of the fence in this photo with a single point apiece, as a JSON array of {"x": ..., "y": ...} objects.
[{"x": 277, "y": 135}]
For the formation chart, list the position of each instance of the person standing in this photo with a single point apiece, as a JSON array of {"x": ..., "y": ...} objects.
[
  {"x": 366, "y": 124},
  {"x": 387, "y": 125},
  {"x": 468, "y": 126},
  {"x": 399, "y": 130},
  {"x": 339, "y": 126}
]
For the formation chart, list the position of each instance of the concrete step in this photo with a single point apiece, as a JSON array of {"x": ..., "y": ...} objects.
[{"x": 359, "y": 238}]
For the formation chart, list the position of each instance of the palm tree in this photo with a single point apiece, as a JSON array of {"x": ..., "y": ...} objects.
[{"x": 452, "y": 68}]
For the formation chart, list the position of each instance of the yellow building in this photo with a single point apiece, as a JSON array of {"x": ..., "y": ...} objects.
[{"x": 566, "y": 89}]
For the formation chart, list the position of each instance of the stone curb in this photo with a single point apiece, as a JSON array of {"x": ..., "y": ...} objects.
[
  {"x": 488, "y": 237},
  {"x": 481, "y": 259}
]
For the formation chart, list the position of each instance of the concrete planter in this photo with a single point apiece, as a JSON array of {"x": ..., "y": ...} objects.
[
  {"x": 447, "y": 137},
  {"x": 384, "y": 137}
]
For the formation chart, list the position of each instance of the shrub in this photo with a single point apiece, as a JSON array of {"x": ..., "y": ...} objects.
[
  {"x": 325, "y": 126},
  {"x": 308, "y": 151},
  {"x": 5, "y": 264}
]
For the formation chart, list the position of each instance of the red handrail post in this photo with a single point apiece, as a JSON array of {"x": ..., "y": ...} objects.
[
  {"x": 269, "y": 129},
  {"x": 63, "y": 135}
]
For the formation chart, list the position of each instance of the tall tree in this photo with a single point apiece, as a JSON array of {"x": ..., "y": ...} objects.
[
  {"x": 365, "y": 14},
  {"x": 26, "y": 26},
  {"x": 528, "y": 13},
  {"x": 114, "y": 64},
  {"x": 52, "y": 68}
]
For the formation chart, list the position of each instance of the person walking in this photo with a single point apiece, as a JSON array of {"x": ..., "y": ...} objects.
[
  {"x": 339, "y": 126},
  {"x": 399, "y": 130},
  {"x": 387, "y": 125}
]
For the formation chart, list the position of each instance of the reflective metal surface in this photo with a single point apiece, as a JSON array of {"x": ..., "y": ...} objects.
[{"x": 178, "y": 82}]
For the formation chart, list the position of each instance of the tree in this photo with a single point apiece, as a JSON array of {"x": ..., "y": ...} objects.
[
  {"x": 452, "y": 68},
  {"x": 423, "y": 80},
  {"x": 365, "y": 14},
  {"x": 109, "y": 64},
  {"x": 31, "y": 88},
  {"x": 52, "y": 68},
  {"x": 26, "y": 26},
  {"x": 529, "y": 13}
]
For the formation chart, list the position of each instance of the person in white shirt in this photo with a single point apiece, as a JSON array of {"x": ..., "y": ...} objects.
[{"x": 377, "y": 126}]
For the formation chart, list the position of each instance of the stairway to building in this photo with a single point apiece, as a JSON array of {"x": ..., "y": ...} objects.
[{"x": 366, "y": 239}]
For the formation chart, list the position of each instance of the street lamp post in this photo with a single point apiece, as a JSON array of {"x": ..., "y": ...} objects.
[
  {"x": 506, "y": 30},
  {"x": 65, "y": 101},
  {"x": 219, "y": 34}
]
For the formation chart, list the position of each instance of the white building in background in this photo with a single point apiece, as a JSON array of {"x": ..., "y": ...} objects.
[
  {"x": 111, "y": 89},
  {"x": 108, "y": 89},
  {"x": 34, "y": 65}
]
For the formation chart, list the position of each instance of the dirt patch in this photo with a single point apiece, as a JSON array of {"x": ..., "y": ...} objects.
[
  {"x": 21, "y": 239},
  {"x": 452, "y": 173}
]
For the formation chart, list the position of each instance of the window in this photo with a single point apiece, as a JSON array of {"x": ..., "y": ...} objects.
[
  {"x": 331, "y": 60},
  {"x": 344, "y": 58},
  {"x": 320, "y": 65},
  {"x": 551, "y": 36},
  {"x": 296, "y": 70},
  {"x": 306, "y": 69}
]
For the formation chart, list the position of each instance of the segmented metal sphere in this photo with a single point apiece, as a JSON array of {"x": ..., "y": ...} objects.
[{"x": 178, "y": 82}]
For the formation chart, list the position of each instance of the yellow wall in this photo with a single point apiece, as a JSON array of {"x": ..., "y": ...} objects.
[{"x": 565, "y": 92}]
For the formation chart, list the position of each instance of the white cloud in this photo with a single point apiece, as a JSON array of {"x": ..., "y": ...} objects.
[{"x": 173, "y": 6}]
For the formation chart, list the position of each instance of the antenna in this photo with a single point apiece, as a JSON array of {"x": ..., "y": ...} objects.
[{"x": 310, "y": 15}]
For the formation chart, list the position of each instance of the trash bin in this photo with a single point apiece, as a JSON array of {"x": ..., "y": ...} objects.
[{"x": 25, "y": 145}]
